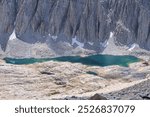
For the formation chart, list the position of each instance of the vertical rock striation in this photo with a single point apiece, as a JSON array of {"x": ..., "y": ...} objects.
[{"x": 89, "y": 22}]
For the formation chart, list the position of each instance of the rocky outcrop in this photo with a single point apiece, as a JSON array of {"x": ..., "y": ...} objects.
[
  {"x": 137, "y": 92},
  {"x": 85, "y": 23},
  {"x": 97, "y": 97}
]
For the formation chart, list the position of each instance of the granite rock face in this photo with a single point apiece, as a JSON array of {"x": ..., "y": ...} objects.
[{"x": 85, "y": 23}]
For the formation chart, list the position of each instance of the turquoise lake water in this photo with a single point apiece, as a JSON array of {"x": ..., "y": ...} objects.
[{"x": 93, "y": 60}]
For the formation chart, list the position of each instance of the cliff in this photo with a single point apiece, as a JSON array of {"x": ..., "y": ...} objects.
[{"x": 87, "y": 24}]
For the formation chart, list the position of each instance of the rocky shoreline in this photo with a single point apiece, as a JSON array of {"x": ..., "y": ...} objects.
[{"x": 64, "y": 80}]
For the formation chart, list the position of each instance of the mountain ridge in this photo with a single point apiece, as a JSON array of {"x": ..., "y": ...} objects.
[{"x": 89, "y": 23}]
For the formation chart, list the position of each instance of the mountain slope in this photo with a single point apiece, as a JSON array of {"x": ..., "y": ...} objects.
[{"x": 84, "y": 23}]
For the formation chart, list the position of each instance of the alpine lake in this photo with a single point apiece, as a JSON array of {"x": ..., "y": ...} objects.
[{"x": 93, "y": 60}]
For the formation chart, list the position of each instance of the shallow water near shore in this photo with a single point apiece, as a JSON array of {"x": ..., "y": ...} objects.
[{"x": 93, "y": 60}]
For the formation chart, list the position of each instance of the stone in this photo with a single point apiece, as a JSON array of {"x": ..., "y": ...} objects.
[{"x": 97, "y": 97}]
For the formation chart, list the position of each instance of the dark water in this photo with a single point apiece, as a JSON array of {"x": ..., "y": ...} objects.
[{"x": 94, "y": 60}]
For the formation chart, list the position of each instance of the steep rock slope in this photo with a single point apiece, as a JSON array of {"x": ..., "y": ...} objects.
[{"x": 84, "y": 23}]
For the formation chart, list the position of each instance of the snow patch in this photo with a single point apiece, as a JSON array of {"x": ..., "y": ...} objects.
[
  {"x": 133, "y": 46},
  {"x": 54, "y": 37},
  {"x": 91, "y": 43},
  {"x": 104, "y": 44},
  {"x": 75, "y": 41},
  {"x": 111, "y": 35},
  {"x": 13, "y": 36}
]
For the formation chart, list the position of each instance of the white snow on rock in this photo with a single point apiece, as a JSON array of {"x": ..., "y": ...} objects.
[
  {"x": 54, "y": 37},
  {"x": 133, "y": 46},
  {"x": 111, "y": 35},
  {"x": 13, "y": 36},
  {"x": 91, "y": 43},
  {"x": 75, "y": 41},
  {"x": 104, "y": 44},
  {"x": 49, "y": 34}
]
